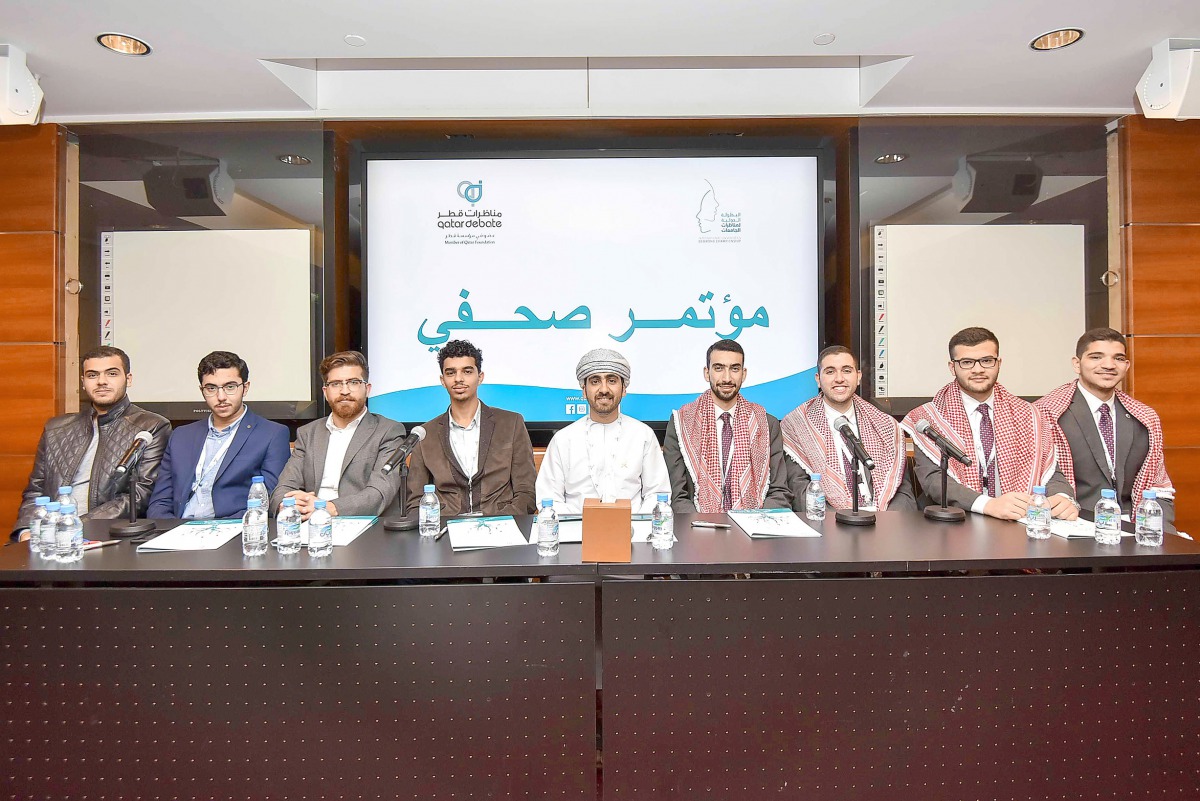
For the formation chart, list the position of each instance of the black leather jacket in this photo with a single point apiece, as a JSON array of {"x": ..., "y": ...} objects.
[{"x": 64, "y": 441}]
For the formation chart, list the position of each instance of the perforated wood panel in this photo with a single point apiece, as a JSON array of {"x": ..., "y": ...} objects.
[
  {"x": 1013, "y": 688},
  {"x": 431, "y": 692}
]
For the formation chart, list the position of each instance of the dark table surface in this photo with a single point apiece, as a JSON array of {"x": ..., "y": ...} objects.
[{"x": 901, "y": 542}]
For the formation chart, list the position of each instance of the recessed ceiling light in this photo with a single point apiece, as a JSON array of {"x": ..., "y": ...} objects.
[
  {"x": 125, "y": 45},
  {"x": 1057, "y": 39},
  {"x": 354, "y": 40},
  {"x": 294, "y": 159},
  {"x": 891, "y": 158},
  {"x": 824, "y": 38}
]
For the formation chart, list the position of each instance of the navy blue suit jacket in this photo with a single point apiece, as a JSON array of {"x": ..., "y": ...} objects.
[{"x": 259, "y": 448}]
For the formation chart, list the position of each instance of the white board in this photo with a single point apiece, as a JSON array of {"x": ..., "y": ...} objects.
[
  {"x": 1023, "y": 282},
  {"x": 171, "y": 297}
]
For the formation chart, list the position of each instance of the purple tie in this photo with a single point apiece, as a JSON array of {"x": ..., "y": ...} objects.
[
  {"x": 1106, "y": 433},
  {"x": 726, "y": 445},
  {"x": 851, "y": 478},
  {"x": 987, "y": 438}
]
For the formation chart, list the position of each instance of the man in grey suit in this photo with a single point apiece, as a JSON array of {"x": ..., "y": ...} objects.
[
  {"x": 339, "y": 459},
  {"x": 1114, "y": 441}
]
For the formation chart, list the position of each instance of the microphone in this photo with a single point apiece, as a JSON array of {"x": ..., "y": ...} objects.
[
  {"x": 407, "y": 446},
  {"x": 847, "y": 431},
  {"x": 948, "y": 447},
  {"x": 140, "y": 441}
]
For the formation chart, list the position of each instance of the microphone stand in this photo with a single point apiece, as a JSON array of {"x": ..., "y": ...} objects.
[
  {"x": 403, "y": 523},
  {"x": 853, "y": 517},
  {"x": 944, "y": 513},
  {"x": 133, "y": 527}
]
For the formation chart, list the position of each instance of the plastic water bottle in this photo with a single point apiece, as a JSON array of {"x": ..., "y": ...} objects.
[
  {"x": 65, "y": 497},
  {"x": 429, "y": 513},
  {"x": 547, "y": 529},
  {"x": 1148, "y": 530},
  {"x": 49, "y": 530},
  {"x": 258, "y": 489},
  {"x": 254, "y": 529},
  {"x": 68, "y": 537},
  {"x": 320, "y": 531},
  {"x": 35, "y": 523},
  {"x": 287, "y": 528},
  {"x": 1108, "y": 518},
  {"x": 814, "y": 499},
  {"x": 1037, "y": 516},
  {"x": 662, "y": 523}
]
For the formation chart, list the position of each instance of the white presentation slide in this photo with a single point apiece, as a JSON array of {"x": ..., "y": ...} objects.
[{"x": 538, "y": 260}]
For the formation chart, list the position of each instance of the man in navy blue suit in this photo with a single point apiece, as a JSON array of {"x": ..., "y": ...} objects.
[{"x": 208, "y": 466}]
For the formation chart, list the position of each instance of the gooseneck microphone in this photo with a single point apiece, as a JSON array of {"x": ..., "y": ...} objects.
[
  {"x": 948, "y": 447},
  {"x": 407, "y": 446},
  {"x": 140, "y": 441},
  {"x": 847, "y": 431}
]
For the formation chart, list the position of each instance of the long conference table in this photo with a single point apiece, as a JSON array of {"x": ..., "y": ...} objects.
[{"x": 910, "y": 660}]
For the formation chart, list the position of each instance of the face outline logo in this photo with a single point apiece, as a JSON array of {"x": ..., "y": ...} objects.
[
  {"x": 706, "y": 218},
  {"x": 472, "y": 193}
]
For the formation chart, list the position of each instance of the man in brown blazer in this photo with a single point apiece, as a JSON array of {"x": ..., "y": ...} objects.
[{"x": 480, "y": 459}]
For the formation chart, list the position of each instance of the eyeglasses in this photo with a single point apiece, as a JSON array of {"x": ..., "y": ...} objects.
[
  {"x": 228, "y": 389},
  {"x": 350, "y": 384},
  {"x": 987, "y": 362}
]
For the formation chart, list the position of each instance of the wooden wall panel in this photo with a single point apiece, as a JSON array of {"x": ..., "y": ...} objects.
[
  {"x": 29, "y": 196},
  {"x": 1163, "y": 377},
  {"x": 31, "y": 297},
  {"x": 14, "y": 473},
  {"x": 1183, "y": 465},
  {"x": 23, "y": 411},
  {"x": 1161, "y": 183},
  {"x": 1164, "y": 293}
]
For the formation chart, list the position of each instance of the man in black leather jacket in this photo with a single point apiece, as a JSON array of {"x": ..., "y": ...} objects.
[{"x": 98, "y": 435}]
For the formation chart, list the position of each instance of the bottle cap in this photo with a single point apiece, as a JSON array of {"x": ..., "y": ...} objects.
[
  {"x": 289, "y": 501},
  {"x": 1039, "y": 490},
  {"x": 663, "y": 497},
  {"x": 429, "y": 488},
  {"x": 68, "y": 508},
  {"x": 254, "y": 503},
  {"x": 816, "y": 476},
  {"x": 64, "y": 490},
  {"x": 42, "y": 500},
  {"x": 53, "y": 506},
  {"x": 257, "y": 480},
  {"x": 1150, "y": 495},
  {"x": 547, "y": 503},
  {"x": 320, "y": 504},
  {"x": 1107, "y": 493}
]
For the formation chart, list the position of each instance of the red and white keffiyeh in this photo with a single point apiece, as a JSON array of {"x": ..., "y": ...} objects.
[
  {"x": 750, "y": 462},
  {"x": 1152, "y": 476},
  {"x": 1026, "y": 455},
  {"x": 808, "y": 440}
]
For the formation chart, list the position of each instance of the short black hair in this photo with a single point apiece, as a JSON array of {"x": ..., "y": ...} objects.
[
  {"x": 1098, "y": 335},
  {"x": 727, "y": 345},
  {"x": 457, "y": 349},
  {"x": 972, "y": 336},
  {"x": 221, "y": 360},
  {"x": 105, "y": 352},
  {"x": 833, "y": 350}
]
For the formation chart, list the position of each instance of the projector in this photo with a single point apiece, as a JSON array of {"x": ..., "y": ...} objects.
[
  {"x": 196, "y": 189},
  {"x": 22, "y": 104}
]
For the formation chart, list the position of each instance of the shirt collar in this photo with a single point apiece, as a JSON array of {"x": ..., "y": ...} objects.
[
  {"x": 592, "y": 423},
  {"x": 970, "y": 404},
  {"x": 832, "y": 414},
  {"x": 1095, "y": 403},
  {"x": 718, "y": 411},
  {"x": 350, "y": 427},
  {"x": 221, "y": 432},
  {"x": 474, "y": 420}
]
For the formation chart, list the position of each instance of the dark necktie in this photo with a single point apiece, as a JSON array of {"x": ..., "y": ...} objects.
[
  {"x": 987, "y": 438},
  {"x": 726, "y": 447},
  {"x": 1106, "y": 433},
  {"x": 851, "y": 477}
]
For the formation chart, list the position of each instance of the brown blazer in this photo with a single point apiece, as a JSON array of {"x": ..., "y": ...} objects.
[{"x": 504, "y": 483}]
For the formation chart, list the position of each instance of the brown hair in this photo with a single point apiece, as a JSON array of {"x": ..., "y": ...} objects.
[{"x": 344, "y": 358}]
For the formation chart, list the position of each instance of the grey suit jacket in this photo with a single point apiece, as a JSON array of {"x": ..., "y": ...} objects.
[
  {"x": 798, "y": 480},
  {"x": 683, "y": 492},
  {"x": 930, "y": 477},
  {"x": 1091, "y": 466},
  {"x": 363, "y": 489}
]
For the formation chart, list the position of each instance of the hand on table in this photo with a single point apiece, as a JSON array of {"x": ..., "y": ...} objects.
[{"x": 1009, "y": 506}]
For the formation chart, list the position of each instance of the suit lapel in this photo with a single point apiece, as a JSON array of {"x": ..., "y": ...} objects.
[
  {"x": 1082, "y": 415},
  {"x": 1125, "y": 436},
  {"x": 245, "y": 427},
  {"x": 366, "y": 427},
  {"x": 448, "y": 449},
  {"x": 320, "y": 448},
  {"x": 487, "y": 427}
]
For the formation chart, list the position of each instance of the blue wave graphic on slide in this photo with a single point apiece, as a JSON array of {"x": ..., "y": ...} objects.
[{"x": 550, "y": 404}]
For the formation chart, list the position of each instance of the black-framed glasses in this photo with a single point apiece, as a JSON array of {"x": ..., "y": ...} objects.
[
  {"x": 350, "y": 384},
  {"x": 228, "y": 389},
  {"x": 987, "y": 362}
]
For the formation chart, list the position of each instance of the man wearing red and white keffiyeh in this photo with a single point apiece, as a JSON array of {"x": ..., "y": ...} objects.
[
  {"x": 1012, "y": 442},
  {"x": 813, "y": 446},
  {"x": 1106, "y": 439},
  {"x": 724, "y": 452}
]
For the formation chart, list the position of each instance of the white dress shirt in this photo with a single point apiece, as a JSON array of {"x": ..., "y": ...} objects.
[
  {"x": 1094, "y": 404},
  {"x": 974, "y": 417},
  {"x": 866, "y": 501},
  {"x": 718, "y": 411},
  {"x": 610, "y": 461},
  {"x": 339, "y": 442},
  {"x": 464, "y": 441}
]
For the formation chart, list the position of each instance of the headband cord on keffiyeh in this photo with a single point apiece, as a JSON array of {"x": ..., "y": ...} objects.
[
  {"x": 750, "y": 462},
  {"x": 808, "y": 440}
]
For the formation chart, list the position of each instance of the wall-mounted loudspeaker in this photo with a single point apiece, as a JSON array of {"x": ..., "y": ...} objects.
[
  {"x": 1170, "y": 86},
  {"x": 22, "y": 100}
]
